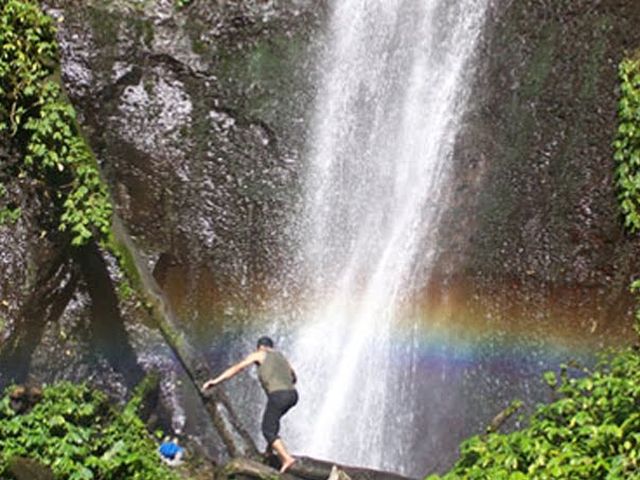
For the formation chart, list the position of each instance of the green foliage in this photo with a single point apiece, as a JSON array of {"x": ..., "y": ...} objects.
[
  {"x": 75, "y": 431},
  {"x": 592, "y": 431},
  {"x": 8, "y": 214},
  {"x": 627, "y": 143},
  {"x": 635, "y": 288},
  {"x": 627, "y": 150},
  {"x": 183, "y": 3},
  {"x": 42, "y": 126},
  {"x": 125, "y": 290}
]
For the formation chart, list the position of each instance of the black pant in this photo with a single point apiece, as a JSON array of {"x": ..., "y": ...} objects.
[{"x": 278, "y": 404}]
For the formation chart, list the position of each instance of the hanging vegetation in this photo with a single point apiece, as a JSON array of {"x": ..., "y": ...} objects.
[
  {"x": 40, "y": 125},
  {"x": 627, "y": 143}
]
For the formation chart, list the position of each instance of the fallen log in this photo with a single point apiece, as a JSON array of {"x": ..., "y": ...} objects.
[
  {"x": 241, "y": 467},
  {"x": 314, "y": 469},
  {"x": 237, "y": 440},
  {"x": 337, "y": 474},
  {"x": 305, "y": 468}
]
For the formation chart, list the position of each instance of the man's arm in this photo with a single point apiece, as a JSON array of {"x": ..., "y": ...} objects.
[{"x": 233, "y": 370}]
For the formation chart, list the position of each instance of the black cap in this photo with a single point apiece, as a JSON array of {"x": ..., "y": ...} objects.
[{"x": 265, "y": 342}]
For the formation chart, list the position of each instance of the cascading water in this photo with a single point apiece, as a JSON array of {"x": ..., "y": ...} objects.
[{"x": 393, "y": 85}]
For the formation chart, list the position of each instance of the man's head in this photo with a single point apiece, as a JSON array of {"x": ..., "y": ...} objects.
[{"x": 264, "y": 342}]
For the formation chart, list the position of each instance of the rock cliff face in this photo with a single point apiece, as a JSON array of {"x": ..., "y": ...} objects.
[
  {"x": 197, "y": 117},
  {"x": 534, "y": 218}
]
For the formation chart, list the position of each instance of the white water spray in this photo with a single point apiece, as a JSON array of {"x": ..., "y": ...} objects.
[{"x": 393, "y": 87}]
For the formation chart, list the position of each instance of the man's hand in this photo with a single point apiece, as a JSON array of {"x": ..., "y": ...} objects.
[{"x": 208, "y": 385}]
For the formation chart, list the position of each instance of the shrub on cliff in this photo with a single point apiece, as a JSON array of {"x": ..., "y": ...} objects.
[
  {"x": 75, "y": 431},
  {"x": 627, "y": 142},
  {"x": 591, "y": 431},
  {"x": 39, "y": 125}
]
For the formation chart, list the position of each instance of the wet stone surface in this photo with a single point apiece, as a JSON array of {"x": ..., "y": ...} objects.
[{"x": 197, "y": 117}]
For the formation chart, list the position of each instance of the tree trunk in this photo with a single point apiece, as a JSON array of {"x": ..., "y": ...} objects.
[
  {"x": 235, "y": 437},
  {"x": 304, "y": 468},
  {"x": 313, "y": 469}
]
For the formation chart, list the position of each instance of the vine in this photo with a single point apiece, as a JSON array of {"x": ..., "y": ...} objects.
[
  {"x": 627, "y": 142},
  {"x": 41, "y": 124},
  {"x": 8, "y": 213},
  {"x": 627, "y": 150}
]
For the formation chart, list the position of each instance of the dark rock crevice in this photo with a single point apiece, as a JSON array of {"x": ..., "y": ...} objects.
[
  {"x": 108, "y": 336},
  {"x": 53, "y": 288}
]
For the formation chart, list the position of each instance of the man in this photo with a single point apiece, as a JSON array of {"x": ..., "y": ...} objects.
[{"x": 277, "y": 379}]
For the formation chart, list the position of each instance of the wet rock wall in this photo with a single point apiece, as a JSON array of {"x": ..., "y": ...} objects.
[{"x": 534, "y": 220}]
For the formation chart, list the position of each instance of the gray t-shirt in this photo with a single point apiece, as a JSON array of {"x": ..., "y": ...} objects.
[{"x": 275, "y": 373}]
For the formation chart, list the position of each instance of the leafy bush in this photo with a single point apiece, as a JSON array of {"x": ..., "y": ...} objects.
[
  {"x": 41, "y": 125},
  {"x": 627, "y": 143},
  {"x": 8, "y": 214},
  {"x": 75, "y": 431},
  {"x": 592, "y": 431}
]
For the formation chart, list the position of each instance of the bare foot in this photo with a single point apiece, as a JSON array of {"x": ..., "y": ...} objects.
[{"x": 287, "y": 464}]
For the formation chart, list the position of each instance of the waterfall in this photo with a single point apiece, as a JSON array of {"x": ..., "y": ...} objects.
[{"x": 393, "y": 82}]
